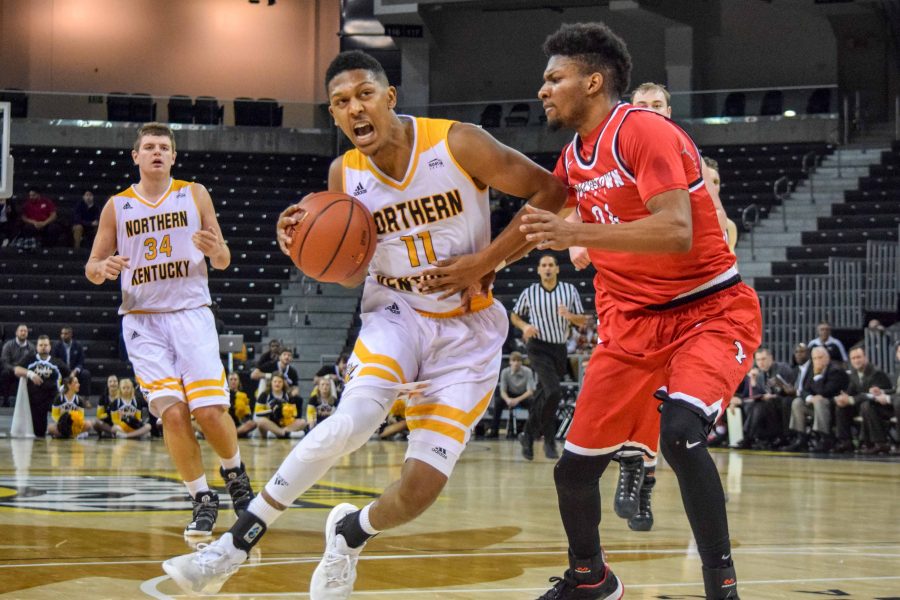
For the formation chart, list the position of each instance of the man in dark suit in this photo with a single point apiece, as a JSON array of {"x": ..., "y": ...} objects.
[
  {"x": 45, "y": 374},
  {"x": 70, "y": 352},
  {"x": 863, "y": 378},
  {"x": 822, "y": 382}
]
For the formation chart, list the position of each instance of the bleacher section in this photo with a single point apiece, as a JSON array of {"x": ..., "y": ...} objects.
[
  {"x": 847, "y": 270},
  {"x": 47, "y": 289}
]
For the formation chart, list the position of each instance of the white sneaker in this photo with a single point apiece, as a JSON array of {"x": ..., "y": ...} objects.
[
  {"x": 206, "y": 570},
  {"x": 334, "y": 577}
]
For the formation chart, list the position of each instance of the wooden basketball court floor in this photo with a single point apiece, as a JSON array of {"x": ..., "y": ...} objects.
[{"x": 94, "y": 519}]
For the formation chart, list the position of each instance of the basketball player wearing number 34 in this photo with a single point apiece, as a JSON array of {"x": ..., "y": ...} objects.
[
  {"x": 163, "y": 230},
  {"x": 425, "y": 182}
]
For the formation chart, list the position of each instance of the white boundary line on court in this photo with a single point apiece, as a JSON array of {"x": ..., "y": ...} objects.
[{"x": 275, "y": 560}]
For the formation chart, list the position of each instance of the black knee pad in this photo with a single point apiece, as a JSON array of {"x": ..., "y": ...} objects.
[
  {"x": 680, "y": 431},
  {"x": 574, "y": 470}
]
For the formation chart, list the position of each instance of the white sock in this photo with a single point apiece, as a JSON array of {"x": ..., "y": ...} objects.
[
  {"x": 231, "y": 463},
  {"x": 196, "y": 486},
  {"x": 234, "y": 552},
  {"x": 265, "y": 511},
  {"x": 364, "y": 522}
]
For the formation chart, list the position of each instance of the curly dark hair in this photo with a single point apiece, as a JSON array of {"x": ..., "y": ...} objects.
[
  {"x": 352, "y": 60},
  {"x": 598, "y": 49}
]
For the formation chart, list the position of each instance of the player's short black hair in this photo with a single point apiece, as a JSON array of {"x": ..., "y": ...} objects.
[
  {"x": 598, "y": 49},
  {"x": 352, "y": 60}
]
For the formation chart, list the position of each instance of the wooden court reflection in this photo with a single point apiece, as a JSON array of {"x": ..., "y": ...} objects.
[{"x": 89, "y": 519}]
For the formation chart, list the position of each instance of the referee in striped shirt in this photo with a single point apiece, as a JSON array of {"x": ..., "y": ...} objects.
[{"x": 546, "y": 312}]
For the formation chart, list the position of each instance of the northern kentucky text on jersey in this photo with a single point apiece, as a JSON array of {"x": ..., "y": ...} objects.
[
  {"x": 160, "y": 271},
  {"x": 420, "y": 211},
  {"x": 154, "y": 223}
]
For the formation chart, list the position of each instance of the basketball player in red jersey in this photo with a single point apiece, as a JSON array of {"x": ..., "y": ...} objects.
[{"x": 677, "y": 323}]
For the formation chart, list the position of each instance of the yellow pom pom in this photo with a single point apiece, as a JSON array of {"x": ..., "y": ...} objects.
[
  {"x": 288, "y": 413},
  {"x": 77, "y": 422}
]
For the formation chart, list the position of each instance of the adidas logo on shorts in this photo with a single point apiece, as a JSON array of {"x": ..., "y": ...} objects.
[
  {"x": 393, "y": 308},
  {"x": 135, "y": 334},
  {"x": 440, "y": 452}
]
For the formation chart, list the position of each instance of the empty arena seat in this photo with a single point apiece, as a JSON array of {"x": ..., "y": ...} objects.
[
  {"x": 118, "y": 107},
  {"x": 518, "y": 115},
  {"x": 208, "y": 111},
  {"x": 491, "y": 115},
  {"x": 181, "y": 109},
  {"x": 735, "y": 105},
  {"x": 772, "y": 103},
  {"x": 141, "y": 108},
  {"x": 819, "y": 101}
]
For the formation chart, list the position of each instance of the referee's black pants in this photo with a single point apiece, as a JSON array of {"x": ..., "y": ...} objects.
[{"x": 548, "y": 361}]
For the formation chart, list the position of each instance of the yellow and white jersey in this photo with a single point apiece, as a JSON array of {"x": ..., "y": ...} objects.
[
  {"x": 167, "y": 272},
  {"x": 436, "y": 212}
]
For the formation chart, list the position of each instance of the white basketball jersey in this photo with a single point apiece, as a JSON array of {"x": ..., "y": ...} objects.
[
  {"x": 167, "y": 272},
  {"x": 436, "y": 212}
]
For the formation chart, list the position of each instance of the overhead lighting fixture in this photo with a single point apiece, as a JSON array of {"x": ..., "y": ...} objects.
[{"x": 790, "y": 113}]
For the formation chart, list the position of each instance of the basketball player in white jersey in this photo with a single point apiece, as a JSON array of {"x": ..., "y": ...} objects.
[
  {"x": 156, "y": 235},
  {"x": 426, "y": 183}
]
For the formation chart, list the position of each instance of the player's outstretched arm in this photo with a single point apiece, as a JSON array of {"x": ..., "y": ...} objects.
[
  {"x": 493, "y": 164},
  {"x": 209, "y": 239},
  {"x": 102, "y": 264}
]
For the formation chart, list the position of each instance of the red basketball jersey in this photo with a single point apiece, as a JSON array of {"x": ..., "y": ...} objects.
[{"x": 633, "y": 155}]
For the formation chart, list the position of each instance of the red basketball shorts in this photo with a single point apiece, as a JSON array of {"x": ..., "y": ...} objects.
[{"x": 696, "y": 354}]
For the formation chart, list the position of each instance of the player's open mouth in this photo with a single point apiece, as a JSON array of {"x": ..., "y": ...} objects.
[{"x": 363, "y": 132}]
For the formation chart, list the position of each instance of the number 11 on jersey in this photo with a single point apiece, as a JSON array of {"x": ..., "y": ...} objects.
[{"x": 425, "y": 239}]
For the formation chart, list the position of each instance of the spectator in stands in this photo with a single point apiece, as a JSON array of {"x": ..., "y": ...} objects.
[
  {"x": 324, "y": 399},
  {"x": 67, "y": 412},
  {"x": 13, "y": 352},
  {"x": 130, "y": 413},
  {"x": 876, "y": 416},
  {"x": 265, "y": 363},
  {"x": 864, "y": 378},
  {"x": 71, "y": 352},
  {"x": 45, "y": 374},
  {"x": 517, "y": 385},
  {"x": 834, "y": 346},
  {"x": 39, "y": 219},
  {"x": 336, "y": 372},
  {"x": 824, "y": 380},
  {"x": 239, "y": 407},
  {"x": 799, "y": 357},
  {"x": 288, "y": 372},
  {"x": 552, "y": 307},
  {"x": 771, "y": 386},
  {"x": 85, "y": 219},
  {"x": 277, "y": 413},
  {"x": 8, "y": 229},
  {"x": 105, "y": 406}
]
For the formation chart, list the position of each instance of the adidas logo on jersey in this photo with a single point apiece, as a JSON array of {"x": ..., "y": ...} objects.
[
  {"x": 135, "y": 334},
  {"x": 435, "y": 163},
  {"x": 393, "y": 308},
  {"x": 359, "y": 190},
  {"x": 440, "y": 452},
  {"x": 127, "y": 205}
]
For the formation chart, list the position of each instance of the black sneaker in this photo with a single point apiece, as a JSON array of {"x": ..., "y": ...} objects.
[
  {"x": 568, "y": 588},
  {"x": 628, "y": 489},
  {"x": 550, "y": 449},
  {"x": 720, "y": 584},
  {"x": 643, "y": 518},
  {"x": 238, "y": 485},
  {"x": 527, "y": 445},
  {"x": 206, "y": 509}
]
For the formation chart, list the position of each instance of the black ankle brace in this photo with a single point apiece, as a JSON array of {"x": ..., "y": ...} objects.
[{"x": 247, "y": 531}]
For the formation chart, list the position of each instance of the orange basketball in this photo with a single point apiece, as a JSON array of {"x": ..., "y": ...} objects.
[{"x": 335, "y": 238}]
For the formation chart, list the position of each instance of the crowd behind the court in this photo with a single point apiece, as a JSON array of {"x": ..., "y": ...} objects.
[
  {"x": 826, "y": 399},
  {"x": 61, "y": 399}
]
